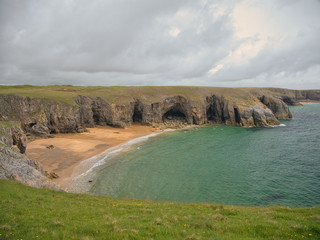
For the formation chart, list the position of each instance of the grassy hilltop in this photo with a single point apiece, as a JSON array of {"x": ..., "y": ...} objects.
[
  {"x": 66, "y": 94},
  {"x": 30, "y": 213}
]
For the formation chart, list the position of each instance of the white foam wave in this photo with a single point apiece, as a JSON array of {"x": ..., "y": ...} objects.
[
  {"x": 280, "y": 125},
  {"x": 84, "y": 175},
  {"x": 111, "y": 152}
]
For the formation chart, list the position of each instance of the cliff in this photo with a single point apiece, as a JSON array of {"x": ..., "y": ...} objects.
[
  {"x": 64, "y": 109},
  {"x": 290, "y": 97},
  {"x": 14, "y": 164}
]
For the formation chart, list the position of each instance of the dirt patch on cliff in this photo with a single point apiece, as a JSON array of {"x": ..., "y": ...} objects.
[{"x": 70, "y": 149}]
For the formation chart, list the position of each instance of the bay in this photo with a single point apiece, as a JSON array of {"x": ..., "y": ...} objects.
[{"x": 224, "y": 164}]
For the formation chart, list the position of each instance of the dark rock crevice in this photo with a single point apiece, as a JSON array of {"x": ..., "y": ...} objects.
[
  {"x": 218, "y": 111},
  {"x": 237, "y": 117},
  {"x": 137, "y": 113}
]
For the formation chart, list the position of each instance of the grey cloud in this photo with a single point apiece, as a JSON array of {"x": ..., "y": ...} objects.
[{"x": 129, "y": 43}]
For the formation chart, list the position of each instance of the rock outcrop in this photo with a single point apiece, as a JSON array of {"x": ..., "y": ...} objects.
[
  {"x": 14, "y": 164},
  {"x": 277, "y": 106},
  {"x": 40, "y": 116},
  {"x": 258, "y": 116}
]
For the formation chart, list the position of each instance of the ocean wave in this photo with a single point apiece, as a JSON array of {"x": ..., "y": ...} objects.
[
  {"x": 102, "y": 158},
  {"x": 85, "y": 174},
  {"x": 280, "y": 125}
]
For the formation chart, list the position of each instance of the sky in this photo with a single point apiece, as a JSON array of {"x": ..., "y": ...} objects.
[{"x": 223, "y": 43}]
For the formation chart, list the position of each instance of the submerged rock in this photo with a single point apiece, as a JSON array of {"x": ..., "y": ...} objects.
[{"x": 272, "y": 198}]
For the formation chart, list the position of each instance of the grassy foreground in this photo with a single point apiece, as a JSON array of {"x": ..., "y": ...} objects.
[{"x": 29, "y": 213}]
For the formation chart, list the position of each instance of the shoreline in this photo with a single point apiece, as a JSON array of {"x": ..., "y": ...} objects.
[
  {"x": 85, "y": 173},
  {"x": 309, "y": 101},
  {"x": 71, "y": 155}
]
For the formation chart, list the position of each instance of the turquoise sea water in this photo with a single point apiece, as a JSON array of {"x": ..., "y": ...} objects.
[{"x": 223, "y": 164}]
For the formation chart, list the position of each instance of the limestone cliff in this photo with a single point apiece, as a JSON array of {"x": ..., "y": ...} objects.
[
  {"x": 14, "y": 164},
  {"x": 290, "y": 97},
  {"x": 277, "y": 106},
  {"x": 72, "y": 109}
]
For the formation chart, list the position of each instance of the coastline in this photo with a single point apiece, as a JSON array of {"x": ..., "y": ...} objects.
[
  {"x": 73, "y": 155},
  {"x": 308, "y": 102},
  {"x": 84, "y": 174}
]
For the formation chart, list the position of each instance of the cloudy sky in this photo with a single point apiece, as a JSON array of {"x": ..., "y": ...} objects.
[{"x": 231, "y": 43}]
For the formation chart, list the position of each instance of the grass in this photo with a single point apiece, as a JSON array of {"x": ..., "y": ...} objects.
[
  {"x": 5, "y": 129},
  {"x": 66, "y": 93},
  {"x": 4, "y": 124},
  {"x": 29, "y": 213}
]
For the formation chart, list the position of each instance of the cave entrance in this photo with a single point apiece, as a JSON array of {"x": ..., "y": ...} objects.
[
  {"x": 215, "y": 114},
  {"x": 174, "y": 114},
  {"x": 211, "y": 116},
  {"x": 137, "y": 115}
]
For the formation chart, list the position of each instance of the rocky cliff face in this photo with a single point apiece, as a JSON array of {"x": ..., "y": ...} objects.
[
  {"x": 255, "y": 107},
  {"x": 14, "y": 164},
  {"x": 302, "y": 95},
  {"x": 292, "y": 97},
  {"x": 277, "y": 106},
  {"x": 41, "y": 116}
]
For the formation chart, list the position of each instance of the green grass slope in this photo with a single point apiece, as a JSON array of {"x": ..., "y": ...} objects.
[{"x": 29, "y": 213}]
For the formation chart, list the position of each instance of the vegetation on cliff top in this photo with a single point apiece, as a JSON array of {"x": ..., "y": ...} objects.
[
  {"x": 29, "y": 213},
  {"x": 66, "y": 94}
]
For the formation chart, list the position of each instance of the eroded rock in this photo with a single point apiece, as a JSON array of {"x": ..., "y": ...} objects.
[{"x": 14, "y": 165}]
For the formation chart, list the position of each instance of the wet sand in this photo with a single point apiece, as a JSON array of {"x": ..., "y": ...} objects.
[{"x": 69, "y": 150}]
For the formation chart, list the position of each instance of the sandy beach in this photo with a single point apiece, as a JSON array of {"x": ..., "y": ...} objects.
[
  {"x": 69, "y": 150},
  {"x": 306, "y": 102}
]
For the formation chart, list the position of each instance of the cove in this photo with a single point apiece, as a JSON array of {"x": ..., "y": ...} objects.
[{"x": 224, "y": 164}]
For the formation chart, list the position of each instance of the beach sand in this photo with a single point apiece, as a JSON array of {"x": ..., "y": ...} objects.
[{"x": 69, "y": 150}]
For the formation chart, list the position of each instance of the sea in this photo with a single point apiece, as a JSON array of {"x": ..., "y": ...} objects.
[{"x": 223, "y": 164}]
